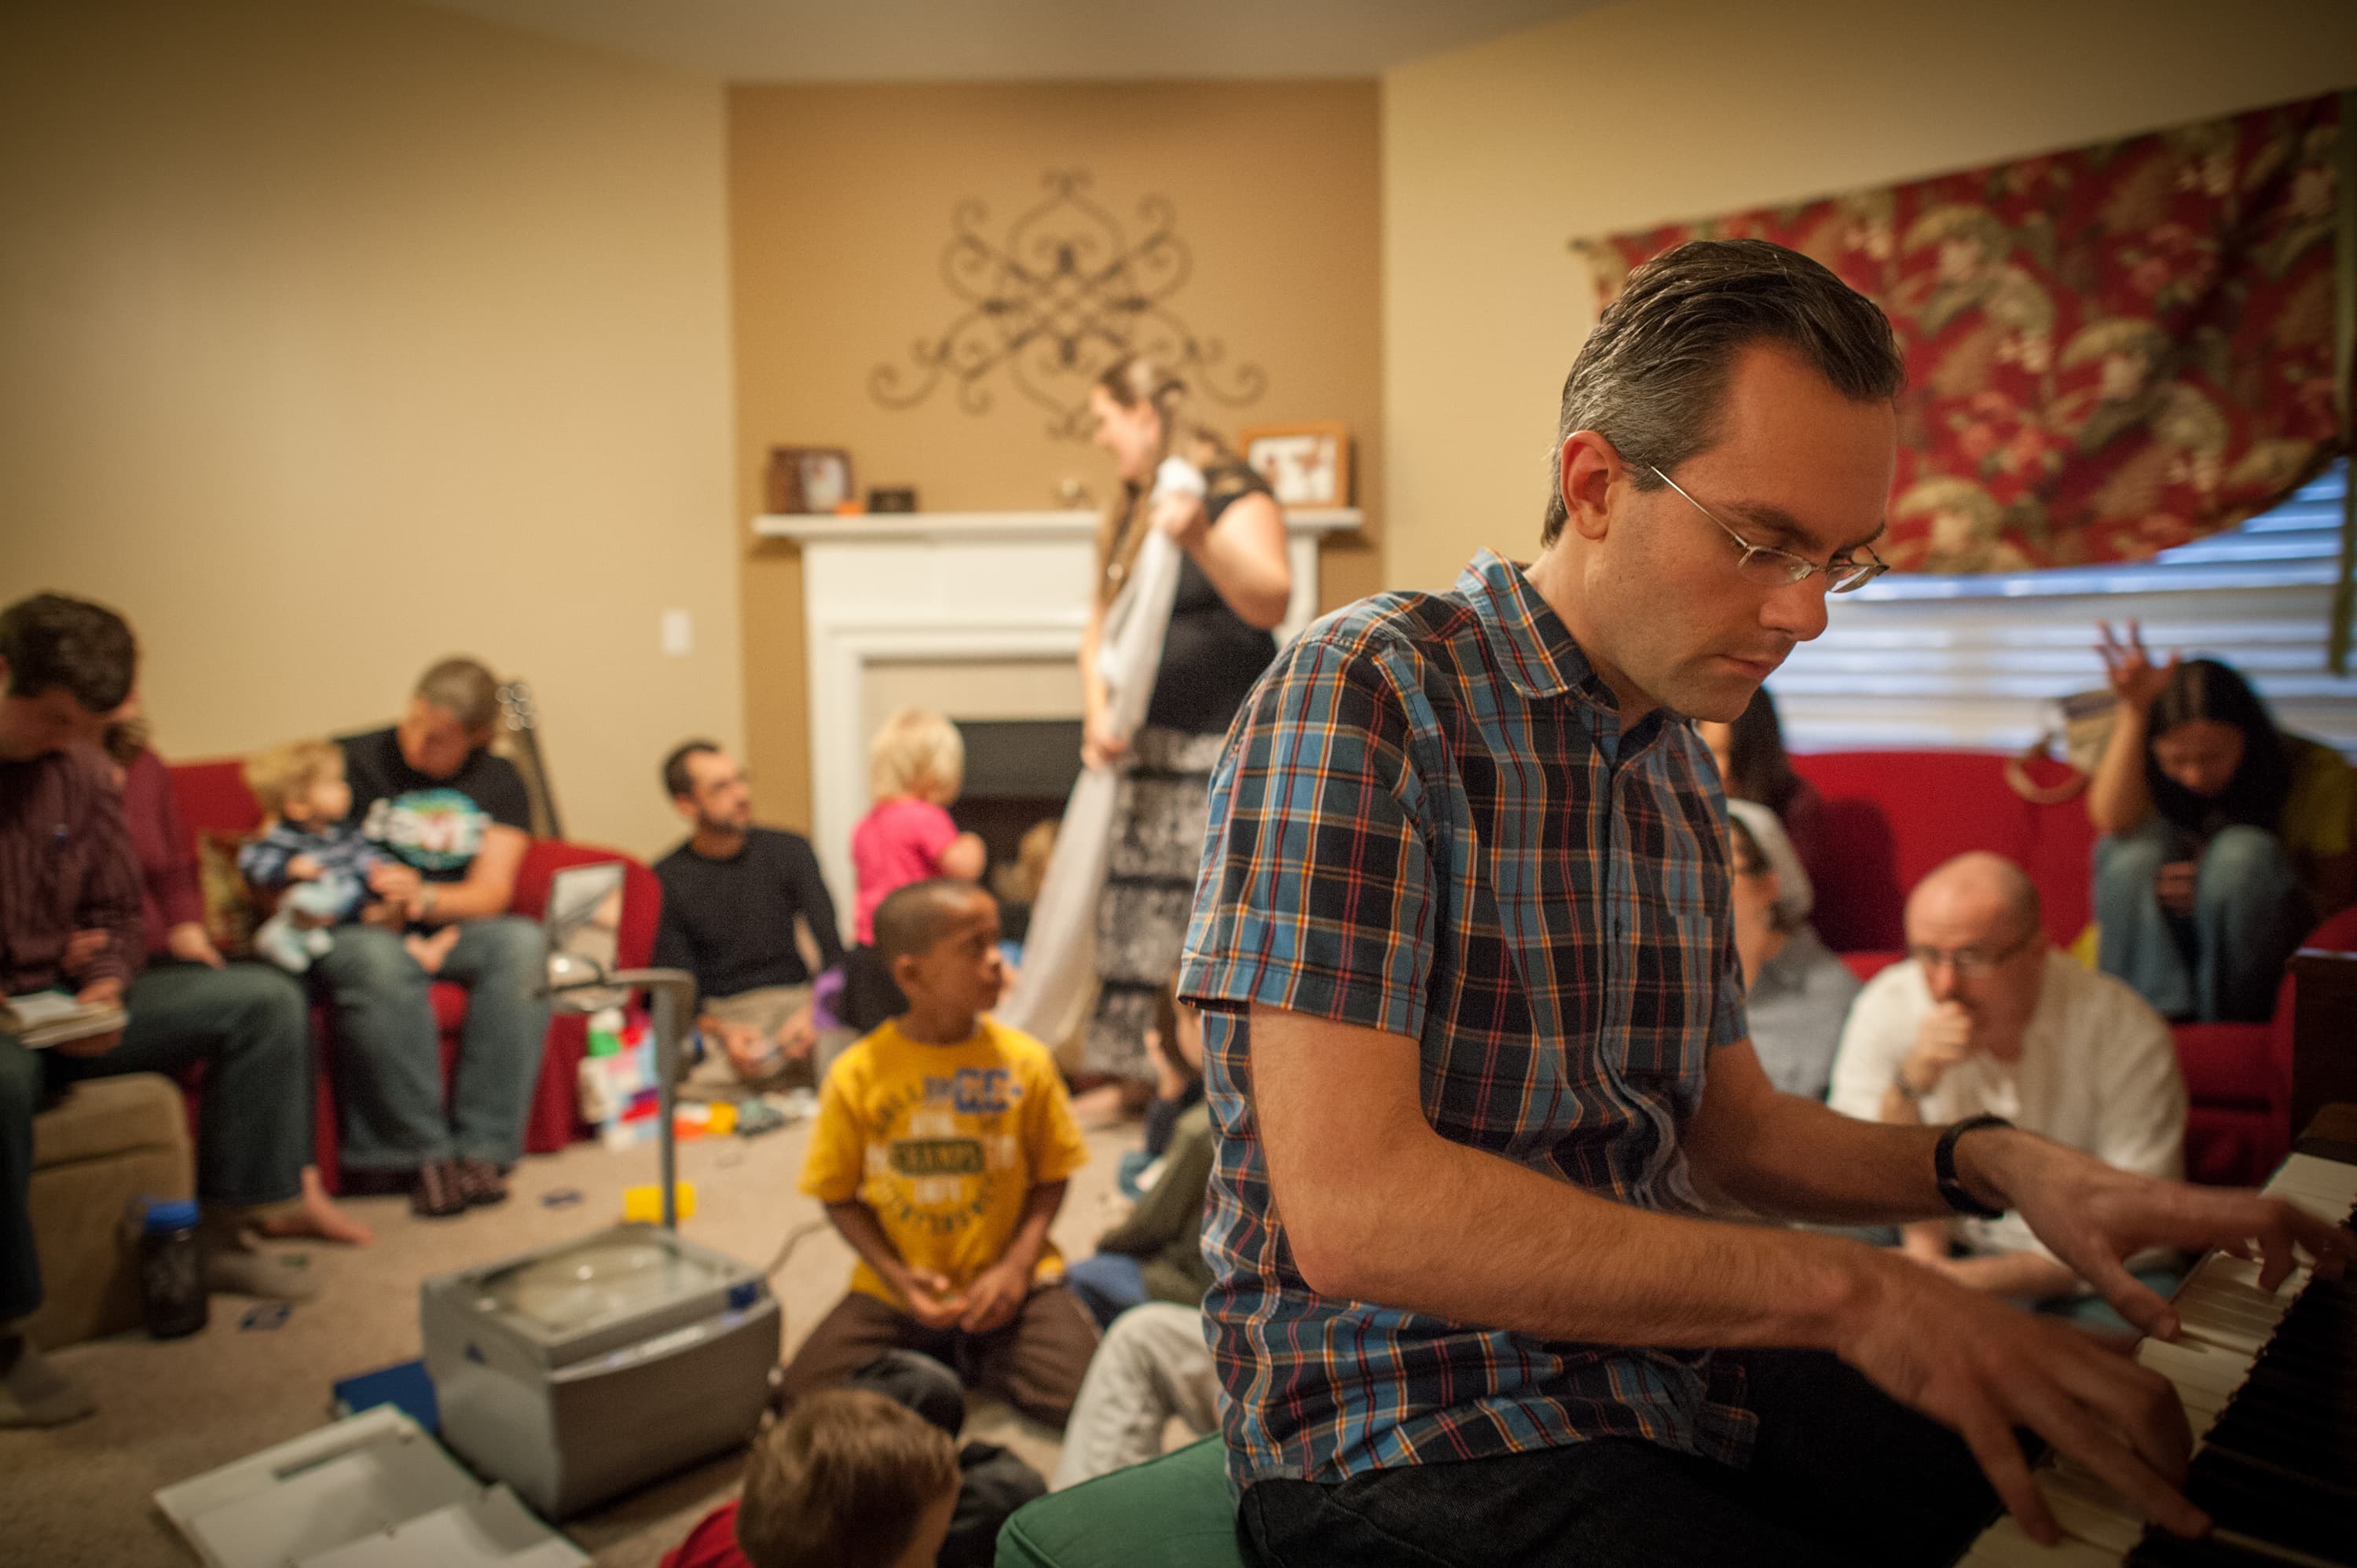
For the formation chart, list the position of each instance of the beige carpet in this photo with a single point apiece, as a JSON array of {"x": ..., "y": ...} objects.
[{"x": 81, "y": 1494}]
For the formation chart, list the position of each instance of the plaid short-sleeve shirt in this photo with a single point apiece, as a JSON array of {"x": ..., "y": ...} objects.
[{"x": 1429, "y": 821}]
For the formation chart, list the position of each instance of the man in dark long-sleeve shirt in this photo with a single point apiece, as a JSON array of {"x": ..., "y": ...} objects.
[
  {"x": 66, "y": 865},
  {"x": 732, "y": 895}
]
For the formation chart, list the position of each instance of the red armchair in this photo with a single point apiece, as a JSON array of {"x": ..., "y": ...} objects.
[
  {"x": 213, "y": 797},
  {"x": 1891, "y": 816}
]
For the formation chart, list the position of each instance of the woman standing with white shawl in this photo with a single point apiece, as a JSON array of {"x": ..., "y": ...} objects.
[{"x": 1192, "y": 578}]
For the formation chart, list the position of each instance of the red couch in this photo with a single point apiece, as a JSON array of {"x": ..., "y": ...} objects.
[
  {"x": 1891, "y": 816},
  {"x": 213, "y": 797}
]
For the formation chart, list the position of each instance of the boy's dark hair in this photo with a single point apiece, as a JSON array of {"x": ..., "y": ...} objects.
[
  {"x": 841, "y": 1482},
  {"x": 912, "y": 918},
  {"x": 678, "y": 782},
  {"x": 52, "y": 642},
  {"x": 1651, "y": 377},
  {"x": 2205, "y": 688}
]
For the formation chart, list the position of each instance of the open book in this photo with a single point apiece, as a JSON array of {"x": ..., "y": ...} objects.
[{"x": 51, "y": 1017}]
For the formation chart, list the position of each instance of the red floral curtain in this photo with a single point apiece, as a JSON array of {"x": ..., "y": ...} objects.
[{"x": 2109, "y": 350}]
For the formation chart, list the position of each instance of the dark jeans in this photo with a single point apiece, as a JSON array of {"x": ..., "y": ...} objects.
[
  {"x": 390, "y": 1052},
  {"x": 2224, "y": 961},
  {"x": 1840, "y": 1474},
  {"x": 251, "y": 1026},
  {"x": 20, "y": 1096}
]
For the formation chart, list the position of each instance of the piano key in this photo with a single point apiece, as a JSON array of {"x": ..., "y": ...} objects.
[
  {"x": 2216, "y": 1316},
  {"x": 2194, "y": 1366},
  {"x": 2324, "y": 1188},
  {"x": 2088, "y": 1510},
  {"x": 2006, "y": 1545},
  {"x": 2269, "y": 1383}
]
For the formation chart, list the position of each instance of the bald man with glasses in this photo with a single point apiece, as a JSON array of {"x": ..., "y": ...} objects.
[{"x": 1985, "y": 1018}]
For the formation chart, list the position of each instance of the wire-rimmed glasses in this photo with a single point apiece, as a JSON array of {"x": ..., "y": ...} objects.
[{"x": 1768, "y": 567}]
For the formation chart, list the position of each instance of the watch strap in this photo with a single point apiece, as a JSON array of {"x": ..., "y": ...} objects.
[{"x": 1944, "y": 1169}]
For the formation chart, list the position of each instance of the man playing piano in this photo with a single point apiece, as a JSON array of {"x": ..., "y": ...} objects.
[{"x": 1476, "y": 1038}]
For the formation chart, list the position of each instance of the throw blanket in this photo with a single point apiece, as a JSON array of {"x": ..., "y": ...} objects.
[{"x": 1051, "y": 995}]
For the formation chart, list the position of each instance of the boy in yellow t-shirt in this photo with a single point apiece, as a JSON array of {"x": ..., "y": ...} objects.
[{"x": 941, "y": 1151}]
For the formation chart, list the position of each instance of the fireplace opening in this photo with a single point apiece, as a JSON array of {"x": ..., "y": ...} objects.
[{"x": 1018, "y": 775}]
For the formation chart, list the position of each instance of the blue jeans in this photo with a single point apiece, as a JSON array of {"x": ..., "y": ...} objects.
[
  {"x": 1108, "y": 1285},
  {"x": 2226, "y": 962},
  {"x": 248, "y": 1023},
  {"x": 390, "y": 1055}
]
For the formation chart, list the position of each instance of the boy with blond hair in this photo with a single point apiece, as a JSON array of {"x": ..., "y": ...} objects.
[
  {"x": 941, "y": 1149},
  {"x": 310, "y": 850}
]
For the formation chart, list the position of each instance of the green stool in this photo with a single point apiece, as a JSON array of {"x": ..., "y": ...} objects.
[{"x": 1170, "y": 1512}]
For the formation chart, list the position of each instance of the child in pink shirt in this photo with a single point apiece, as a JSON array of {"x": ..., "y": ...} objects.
[{"x": 916, "y": 766}]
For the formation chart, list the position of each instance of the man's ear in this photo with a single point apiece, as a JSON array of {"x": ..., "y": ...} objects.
[
  {"x": 1587, "y": 468},
  {"x": 685, "y": 806},
  {"x": 903, "y": 968}
]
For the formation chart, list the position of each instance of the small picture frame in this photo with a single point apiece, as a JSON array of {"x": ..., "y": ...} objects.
[
  {"x": 809, "y": 478},
  {"x": 1305, "y": 465},
  {"x": 892, "y": 499}
]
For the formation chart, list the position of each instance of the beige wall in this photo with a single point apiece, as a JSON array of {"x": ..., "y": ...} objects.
[
  {"x": 1495, "y": 156},
  {"x": 841, "y": 200},
  {"x": 334, "y": 338}
]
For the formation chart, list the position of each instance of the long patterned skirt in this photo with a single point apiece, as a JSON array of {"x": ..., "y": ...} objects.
[{"x": 1157, "y": 847}]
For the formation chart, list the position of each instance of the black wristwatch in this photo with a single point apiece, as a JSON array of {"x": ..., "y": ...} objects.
[{"x": 1943, "y": 1166}]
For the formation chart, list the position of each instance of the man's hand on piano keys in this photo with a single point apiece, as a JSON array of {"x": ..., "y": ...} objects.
[
  {"x": 2093, "y": 1217},
  {"x": 1982, "y": 1367}
]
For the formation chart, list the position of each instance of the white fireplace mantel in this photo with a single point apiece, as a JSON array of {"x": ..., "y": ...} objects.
[{"x": 978, "y": 588}]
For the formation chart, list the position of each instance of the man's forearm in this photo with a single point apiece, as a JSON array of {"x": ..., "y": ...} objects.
[
  {"x": 1378, "y": 1207},
  {"x": 444, "y": 903},
  {"x": 1799, "y": 1159},
  {"x": 1439, "y": 1229}
]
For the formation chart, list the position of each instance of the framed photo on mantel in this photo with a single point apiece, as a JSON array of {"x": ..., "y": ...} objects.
[
  {"x": 809, "y": 478},
  {"x": 1305, "y": 464}
]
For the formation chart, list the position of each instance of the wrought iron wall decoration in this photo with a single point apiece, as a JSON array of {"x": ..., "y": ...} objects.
[{"x": 1061, "y": 297}]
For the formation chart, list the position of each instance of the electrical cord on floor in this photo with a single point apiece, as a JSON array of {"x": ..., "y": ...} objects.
[{"x": 794, "y": 1238}]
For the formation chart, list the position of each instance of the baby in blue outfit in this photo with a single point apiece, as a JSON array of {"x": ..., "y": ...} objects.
[{"x": 321, "y": 861}]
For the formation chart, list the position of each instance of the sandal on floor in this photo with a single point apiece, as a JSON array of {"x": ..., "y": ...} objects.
[
  {"x": 480, "y": 1182},
  {"x": 438, "y": 1194}
]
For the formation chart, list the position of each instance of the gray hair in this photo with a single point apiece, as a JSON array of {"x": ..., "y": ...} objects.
[
  {"x": 1652, "y": 375},
  {"x": 463, "y": 689}
]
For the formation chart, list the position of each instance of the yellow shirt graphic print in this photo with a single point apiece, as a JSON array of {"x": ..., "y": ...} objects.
[{"x": 943, "y": 1143}]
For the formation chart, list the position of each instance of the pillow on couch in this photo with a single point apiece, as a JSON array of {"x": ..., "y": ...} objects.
[{"x": 229, "y": 914}]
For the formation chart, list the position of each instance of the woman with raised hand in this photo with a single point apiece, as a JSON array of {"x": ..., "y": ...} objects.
[{"x": 2225, "y": 839}]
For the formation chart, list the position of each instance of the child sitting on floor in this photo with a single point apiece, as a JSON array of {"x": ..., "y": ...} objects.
[
  {"x": 1156, "y": 1253},
  {"x": 916, "y": 765},
  {"x": 992, "y": 1483},
  {"x": 941, "y": 1148},
  {"x": 307, "y": 849},
  {"x": 848, "y": 1476}
]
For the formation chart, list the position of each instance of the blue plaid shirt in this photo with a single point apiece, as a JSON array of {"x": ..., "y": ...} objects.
[{"x": 1429, "y": 821}]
